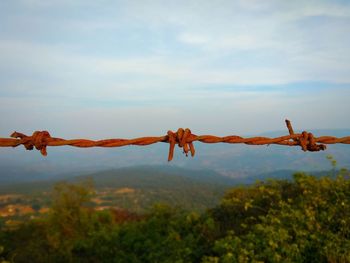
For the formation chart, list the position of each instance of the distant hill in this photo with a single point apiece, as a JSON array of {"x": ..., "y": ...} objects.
[
  {"x": 157, "y": 175},
  {"x": 138, "y": 188}
]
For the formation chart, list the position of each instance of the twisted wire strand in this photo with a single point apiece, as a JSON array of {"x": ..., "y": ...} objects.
[{"x": 183, "y": 138}]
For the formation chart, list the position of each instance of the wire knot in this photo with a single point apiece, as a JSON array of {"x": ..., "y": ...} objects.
[
  {"x": 184, "y": 139},
  {"x": 308, "y": 143},
  {"x": 39, "y": 140},
  {"x": 306, "y": 140}
]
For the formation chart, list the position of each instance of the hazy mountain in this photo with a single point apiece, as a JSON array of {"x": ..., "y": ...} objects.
[
  {"x": 149, "y": 177},
  {"x": 137, "y": 176},
  {"x": 138, "y": 188}
]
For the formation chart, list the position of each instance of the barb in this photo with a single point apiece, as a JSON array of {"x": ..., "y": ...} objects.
[{"x": 183, "y": 138}]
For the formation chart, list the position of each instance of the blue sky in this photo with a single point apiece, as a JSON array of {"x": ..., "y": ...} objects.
[{"x": 102, "y": 69}]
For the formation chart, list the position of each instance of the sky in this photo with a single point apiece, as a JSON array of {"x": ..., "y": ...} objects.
[{"x": 123, "y": 69}]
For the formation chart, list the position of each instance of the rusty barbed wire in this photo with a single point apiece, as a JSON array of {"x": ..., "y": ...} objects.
[{"x": 184, "y": 138}]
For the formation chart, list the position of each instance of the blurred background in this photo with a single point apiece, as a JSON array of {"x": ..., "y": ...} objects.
[{"x": 124, "y": 69}]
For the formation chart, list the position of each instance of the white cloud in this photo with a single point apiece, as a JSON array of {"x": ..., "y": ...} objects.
[
  {"x": 150, "y": 77},
  {"x": 205, "y": 43},
  {"x": 301, "y": 9},
  {"x": 230, "y": 42},
  {"x": 193, "y": 39}
]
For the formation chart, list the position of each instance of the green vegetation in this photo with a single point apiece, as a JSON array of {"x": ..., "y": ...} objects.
[{"x": 306, "y": 219}]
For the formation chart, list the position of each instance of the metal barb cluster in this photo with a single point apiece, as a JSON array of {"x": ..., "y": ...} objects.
[
  {"x": 183, "y": 138},
  {"x": 39, "y": 140},
  {"x": 306, "y": 140}
]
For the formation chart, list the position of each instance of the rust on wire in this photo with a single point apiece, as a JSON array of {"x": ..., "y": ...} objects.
[{"x": 182, "y": 137}]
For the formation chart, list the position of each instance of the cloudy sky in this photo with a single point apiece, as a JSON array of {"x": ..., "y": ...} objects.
[{"x": 102, "y": 69}]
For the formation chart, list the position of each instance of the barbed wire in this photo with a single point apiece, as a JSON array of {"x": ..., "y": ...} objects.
[{"x": 184, "y": 138}]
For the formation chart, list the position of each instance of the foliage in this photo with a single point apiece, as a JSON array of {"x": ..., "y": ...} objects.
[
  {"x": 70, "y": 218},
  {"x": 303, "y": 220},
  {"x": 307, "y": 220}
]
